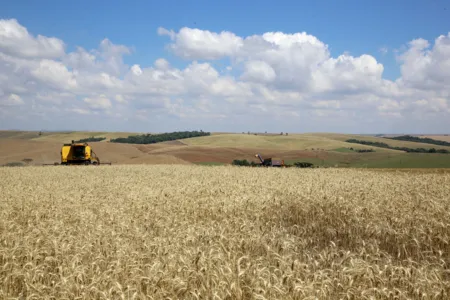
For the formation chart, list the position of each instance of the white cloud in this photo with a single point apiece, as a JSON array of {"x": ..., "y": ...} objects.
[
  {"x": 258, "y": 71},
  {"x": 99, "y": 102},
  {"x": 80, "y": 111},
  {"x": 54, "y": 74},
  {"x": 136, "y": 69},
  {"x": 277, "y": 78},
  {"x": 108, "y": 58},
  {"x": 121, "y": 99},
  {"x": 425, "y": 68},
  {"x": 162, "y": 64},
  {"x": 11, "y": 100},
  {"x": 163, "y": 31},
  {"x": 192, "y": 43},
  {"x": 16, "y": 40}
]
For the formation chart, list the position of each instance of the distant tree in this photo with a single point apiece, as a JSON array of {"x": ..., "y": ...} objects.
[
  {"x": 91, "y": 139},
  {"x": 406, "y": 149},
  {"x": 364, "y": 150},
  {"x": 14, "y": 164},
  {"x": 27, "y": 160},
  {"x": 303, "y": 165},
  {"x": 410, "y": 138},
  {"x": 238, "y": 162},
  {"x": 158, "y": 138}
]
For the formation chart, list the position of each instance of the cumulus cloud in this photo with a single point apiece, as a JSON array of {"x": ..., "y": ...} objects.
[
  {"x": 99, "y": 102},
  {"x": 54, "y": 74},
  {"x": 162, "y": 64},
  {"x": 425, "y": 68},
  {"x": 11, "y": 100},
  {"x": 287, "y": 80},
  {"x": 258, "y": 71},
  {"x": 191, "y": 43},
  {"x": 16, "y": 40}
]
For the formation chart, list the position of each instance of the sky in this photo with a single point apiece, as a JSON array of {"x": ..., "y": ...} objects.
[{"x": 289, "y": 66}]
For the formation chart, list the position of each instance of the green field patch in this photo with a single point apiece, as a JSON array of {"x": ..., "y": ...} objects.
[
  {"x": 408, "y": 160},
  {"x": 378, "y": 160},
  {"x": 352, "y": 150},
  {"x": 343, "y": 150}
]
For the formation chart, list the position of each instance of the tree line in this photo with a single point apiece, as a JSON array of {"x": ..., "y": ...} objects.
[
  {"x": 246, "y": 163},
  {"x": 410, "y": 138},
  {"x": 362, "y": 150},
  {"x": 406, "y": 149},
  {"x": 91, "y": 139},
  {"x": 158, "y": 138}
]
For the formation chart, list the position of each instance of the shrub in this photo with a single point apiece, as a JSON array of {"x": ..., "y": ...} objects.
[{"x": 14, "y": 164}]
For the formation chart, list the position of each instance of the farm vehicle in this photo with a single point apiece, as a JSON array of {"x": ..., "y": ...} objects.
[
  {"x": 271, "y": 162},
  {"x": 79, "y": 154}
]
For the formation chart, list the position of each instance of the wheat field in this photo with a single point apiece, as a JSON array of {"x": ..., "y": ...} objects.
[{"x": 199, "y": 232}]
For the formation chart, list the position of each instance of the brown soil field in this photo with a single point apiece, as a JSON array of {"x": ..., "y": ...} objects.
[
  {"x": 175, "y": 152},
  {"x": 43, "y": 152},
  {"x": 15, "y": 150},
  {"x": 197, "y": 154}
]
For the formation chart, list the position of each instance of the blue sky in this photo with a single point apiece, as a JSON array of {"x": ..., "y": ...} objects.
[
  {"x": 354, "y": 26},
  {"x": 350, "y": 27}
]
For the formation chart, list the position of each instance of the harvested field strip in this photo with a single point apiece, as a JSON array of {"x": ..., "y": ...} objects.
[{"x": 294, "y": 142}]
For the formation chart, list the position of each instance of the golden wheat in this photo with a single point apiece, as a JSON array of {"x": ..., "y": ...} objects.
[{"x": 196, "y": 232}]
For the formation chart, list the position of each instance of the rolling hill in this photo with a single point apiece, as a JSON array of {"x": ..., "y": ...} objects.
[
  {"x": 323, "y": 149},
  {"x": 390, "y": 142},
  {"x": 278, "y": 142}
]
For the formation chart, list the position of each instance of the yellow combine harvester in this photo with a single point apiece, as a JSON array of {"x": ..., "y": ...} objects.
[{"x": 78, "y": 154}]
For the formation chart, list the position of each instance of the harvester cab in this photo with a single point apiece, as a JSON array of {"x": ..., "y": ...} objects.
[
  {"x": 270, "y": 162},
  {"x": 78, "y": 154}
]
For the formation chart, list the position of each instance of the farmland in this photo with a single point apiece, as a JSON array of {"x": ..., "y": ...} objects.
[
  {"x": 198, "y": 232},
  {"x": 321, "y": 149}
]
